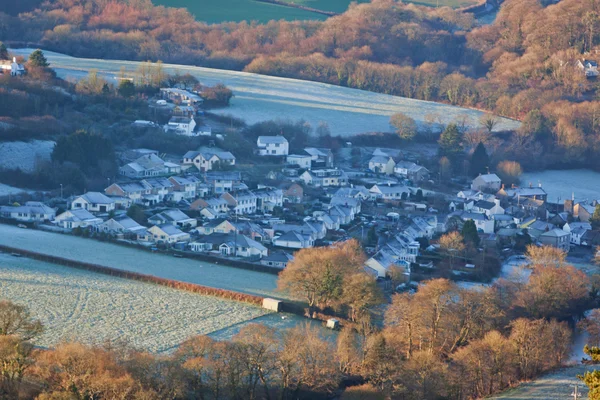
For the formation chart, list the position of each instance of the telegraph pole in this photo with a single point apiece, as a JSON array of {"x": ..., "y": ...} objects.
[{"x": 575, "y": 393}]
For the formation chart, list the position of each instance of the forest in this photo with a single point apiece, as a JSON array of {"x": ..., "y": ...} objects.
[{"x": 442, "y": 341}]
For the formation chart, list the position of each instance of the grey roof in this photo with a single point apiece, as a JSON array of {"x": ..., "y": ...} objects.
[
  {"x": 555, "y": 233},
  {"x": 172, "y": 215},
  {"x": 292, "y": 236},
  {"x": 180, "y": 120},
  {"x": 489, "y": 178},
  {"x": 379, "y": 159},
  {"x": 97, "y": 198},
  {"x": 81, "y": 214},
  {"x": 279, "y": 256},
  {"x": 191, "y": 154},
  {"x": 170, "y": 230},
  {"x": 272, "y": 139},
  {"x": 126, "y": 222},
  {"x": 486, "y": 205}
]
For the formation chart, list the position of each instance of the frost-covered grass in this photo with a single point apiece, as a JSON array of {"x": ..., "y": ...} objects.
[
  {"x": 583, "y": 183},
  {"x": 130, "y": 259},
  {"x": 91, "y": 308},
  {"x": 24, "y": 155},
  {"x": 260, "y": 97},
  {"x": 5, "y": 190}
]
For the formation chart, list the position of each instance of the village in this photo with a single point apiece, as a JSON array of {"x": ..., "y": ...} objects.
[{"x": 204, "y": 203}]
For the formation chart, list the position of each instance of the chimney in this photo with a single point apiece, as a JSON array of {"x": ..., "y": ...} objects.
[
  {"x": 530, "y": 185},
  {"x": 502, "y": 186},
  {"x": 540, "y": 184}
]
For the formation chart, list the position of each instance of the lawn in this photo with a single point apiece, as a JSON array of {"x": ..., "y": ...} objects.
[
  {"x": 213, "y": 12},
  {"x": 91, "y": 308}
]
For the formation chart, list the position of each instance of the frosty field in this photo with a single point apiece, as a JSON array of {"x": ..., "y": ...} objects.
[
  {"x": 584, "y": 183},
  {"x": 260, "y": 97},
  {"x": 130, "y": 259},
  {"x": 23, "y": 155},
  {"x": 92, "y": 308}
]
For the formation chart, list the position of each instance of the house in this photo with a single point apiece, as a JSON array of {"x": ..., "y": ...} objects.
[
  {"x": 210, "y": 208},
  {"x": 77, "y": 218},
  {"x": 389, "y": 192},
  {"x": 482, "y": 222},
  {"x": 556, "y": 238},
  {"x": 577, "y": 230},
  {"x": 267, "y": 198},
  {"x": 357, "y": 192},
  {"x": 487, "y": 207},
  {"x": 231, "y": 244},
  {"x": 221, "y": 181},
  {"x": 14, "y": 67},
  {"x": 149, "y": 165},
  {"x": 300, "y": 160},
  {"x": 243, "y": 202},
  {"x": 119, "y": 225},
  {"x": 381, "y": 262},
  {"x": 168, "y": 234},
  {"x": 487, "y": 182},
  {"x": 382, "y": 164},
  {"x": 220, "y": 225},
  {"x": 589, "y": 67},
  {"x": 180, "y": 96},
  {"x": 184, "y": 188},
  {"x": 350, "y": 202},
  {"x": 292, "y": 192},
  {"x": 32, "y": 211},
  {"x": 324, "y": 177},
  {"x": 331, "y": 223},
  {"x": 275, "y": 146},
  {"x": 320, "y": 157},
  {"x": 94, "y": 202},
  {"x": 277, "y": 259},
  {"x": 293, "y": 240},
  {"x": 208, "y": 159},
  {"x": 342, "y": 214},
  {"x": 159, "y": 190},
  {"x": 410, "y": 170},
  {"x": 518, "y": 193},
  {"x": 174, "y": 217},
  {"x": 591, "y": 239},
  {"x": 181, "y": 126},
  {"x": 584, "y": 211}
]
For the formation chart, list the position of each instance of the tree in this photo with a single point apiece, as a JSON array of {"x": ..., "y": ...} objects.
[
  {"x": 126, "y": 88},
  {"x": 16, "y": 320},
  {"x": 445, "y": 168},
  {"x": 595, "y": 218},
  {"x": 16, "y": 357},
  {"x": 480, "y": 161},
  {"x": 452, "y": 244},
  {"x": 450, "y": 143},
  {"x": 136, "y": 213},
  {"x": 38, "y": 59},
  {"x": 3, "y": 52},
  {"x": 405, "y": 126},
  {"x": 419, "y": 195},
  {"x": 509, "y": 172},
  {"x": 92, "y": 153},
  {"x": 469, "y": 233},
  {"x": 592, "y": 381},
  {"x": 489, "y": 121},
  {"x": 545, "y": 256},
  {"x": 360, "y": 293},
  {"x": 317, "y": 275}
]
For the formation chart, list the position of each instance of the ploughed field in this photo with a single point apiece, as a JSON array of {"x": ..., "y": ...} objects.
[
  {"x": 131, "y": 259},
  {"x": 213, "y": 12},
  {"x": 91, "y": 308},
  {"x": 260, "y": 97}
]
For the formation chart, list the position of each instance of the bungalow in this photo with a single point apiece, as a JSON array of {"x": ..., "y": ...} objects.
[
  {"x": 181, "y": 126},
  {"x": 382, "y": 164},
  {"x": 389, "y": 192},
  {"x": 174, "y": 217},
  {"x": 208, "y": 159},
  {"x": 410, "y": 170},
  {"x": 93, "y": 202},
  {"x": 487, "y": 182},
  {"x": 149, "y": 165},
  {"x": 556, "y": 238},
  {"x": 277, "y": 259},
  {"x": 324, "y": 177},
  {"x": 120, "y": 224},
  {"x": 168, "y": 233},
  {"x": 293, "y": 240},
  {"x": 231, "y": 244},
  {"x": 300, "y": 160},
  {"x": 267, "y": 198},
  {"x": 32, "y": 211},
  {"x": 77, "y": 218},
  {"x": 276, "y": 146},
  {"x": 220, "y": 225}
]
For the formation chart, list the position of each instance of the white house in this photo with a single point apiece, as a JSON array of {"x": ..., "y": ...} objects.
[
  {"x": 168, "y": 233},
  {"x": 487, "y": 207},
  {"x": 293, "y": 240},
  {"x": 410, "y": 170},
  {"x": 93, "y": 202},
  {"x": 301, "y": 160},
  {"x": 389, "y": 192},
  {"x": 243, "y": 202},
  {"x": 32, "y": 211},
  {"x": 487, "y": 182},
  {"x": 206, "y": 160},
  {"x": 77, "y": 218},
  {"x": 382, "y": 164},
  {"x": 325, "y": 177},
  {"x": 589, "y": 67},
  {"x": 181, "y": 126},
  {"x": 267, "y": 198},
  {"x": 272, "y": 146},
  {"x": 14, "y": 67}
]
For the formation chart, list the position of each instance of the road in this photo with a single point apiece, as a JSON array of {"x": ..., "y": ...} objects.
[{"x": 260, "y": 97}]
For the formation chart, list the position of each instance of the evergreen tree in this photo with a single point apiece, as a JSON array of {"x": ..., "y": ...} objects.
[
  {"x": 38, "y": 59},
  {"x": 592, "y": 381},
  {"x": 3, "y": 52},
  {"x": 137, "y": 214},
  {"x": 595, "y": 219},
  {"x": 480, "y": 161},
  {"x": 469, "y": 233},
  {"x": 419, "y": 195},
  {"x": 450, "y": 142},
  {"x": 126, "y": 88}
]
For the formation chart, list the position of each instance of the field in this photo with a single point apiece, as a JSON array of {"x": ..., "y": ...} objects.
[
  {"x": 92, "y": 308},
  {"x": 23, "y": 155},
  {"x": 584, "y": 184},
  {"x": 213, "y": 12},
  {"x": 260, "y": 97},
  {"x": 129, "y": 259}
]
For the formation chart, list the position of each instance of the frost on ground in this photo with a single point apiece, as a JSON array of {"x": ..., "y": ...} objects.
[
  {"x": 584, "y": 184},
  {"x": 260, "y": 97},
  {"x": 554, "y": 386},
  {"x": 5, "y": 190},
  {"x": 92, "y": 308},
  {"x": 25, "y": 155},
  {"x": 130, "y": 259}
]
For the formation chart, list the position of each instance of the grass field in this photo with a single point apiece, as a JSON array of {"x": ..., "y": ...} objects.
[
  {"x": 213, "y": 12},
  {"x": 91, "y": 308}
]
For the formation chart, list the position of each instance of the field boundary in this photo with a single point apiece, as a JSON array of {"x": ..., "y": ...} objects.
[
  {"x": 299, "y": 6},
  {"x": 174, "y": 284}
]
